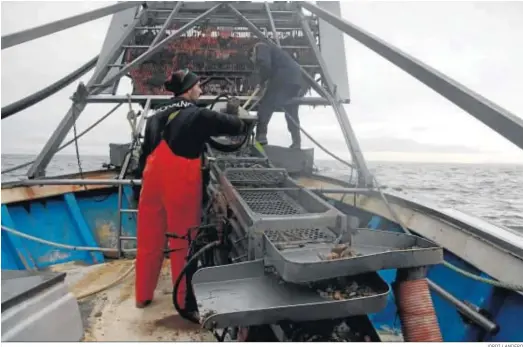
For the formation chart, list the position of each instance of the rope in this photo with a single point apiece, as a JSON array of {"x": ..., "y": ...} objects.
[
  {"x": 67, "y": 143},
  {"x": 318, "y": 144},
  {"x": 107, "y": 286},
  {"x": 495, "y": 283},
  {"x": 61, "y": 245}
]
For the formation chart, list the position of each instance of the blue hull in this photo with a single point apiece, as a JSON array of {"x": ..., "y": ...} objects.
[
  {"x": 79, "y": 219},
  {"x": 91, "y": 219}
]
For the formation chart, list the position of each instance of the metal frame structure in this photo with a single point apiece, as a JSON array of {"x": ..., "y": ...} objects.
[{"x": 500, "y": 120}]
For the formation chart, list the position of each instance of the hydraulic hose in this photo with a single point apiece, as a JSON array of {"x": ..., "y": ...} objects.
[
  {"x": 42, "y": 94},
  {"x": 198, "y": 254},
  {"x": 231, "y": 148}
]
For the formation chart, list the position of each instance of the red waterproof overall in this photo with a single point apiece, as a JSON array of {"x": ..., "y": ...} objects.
[{"x": 170, "y": 201}]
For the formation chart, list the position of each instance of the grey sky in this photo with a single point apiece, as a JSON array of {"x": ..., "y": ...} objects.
[{"x": 394, "y": 115}]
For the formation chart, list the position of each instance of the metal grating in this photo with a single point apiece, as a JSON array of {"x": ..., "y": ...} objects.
[
  {"x": 271, "y": 203},
  {"x": 300, "y": 235},
  {"x": 256, "y": 177},
  {"x": 241, "y": 164}
]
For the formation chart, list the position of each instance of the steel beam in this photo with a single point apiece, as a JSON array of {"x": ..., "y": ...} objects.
[
  {"x": 51, "y": 146},
  {"x": 494, "y": 116},
  {"x": 155, "y": 99},
  {"x": 62, "y": 24},
  {"x": 116, "y": 51},
  {"x": 79, "y": 182},
  {"x": 168, "y": 21},
  {"x": 152, "y": 50},
  {"x": 364, "y": 175}
]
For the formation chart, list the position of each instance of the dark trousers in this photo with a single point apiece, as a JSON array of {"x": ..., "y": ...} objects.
[{"x": 275, "y": 99}]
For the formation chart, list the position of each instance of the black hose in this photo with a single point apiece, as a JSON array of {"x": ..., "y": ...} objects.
[
  {"x": 220, "y": 146},
  {"x": 40, "y": 95},
  {"x": 182, "y": 312}
]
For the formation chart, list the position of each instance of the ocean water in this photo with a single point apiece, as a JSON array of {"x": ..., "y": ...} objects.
[{"x": 490, "y": 191}]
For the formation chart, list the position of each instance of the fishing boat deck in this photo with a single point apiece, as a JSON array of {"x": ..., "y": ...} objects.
[{"x": 111, "y": 315}]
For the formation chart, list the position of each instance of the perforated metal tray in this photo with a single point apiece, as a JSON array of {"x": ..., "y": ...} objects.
[
  {"x": 256, "y": 177},
  {"x": 244, "y": 294},
  {"x": 302, "y": 255},
  {"x": 285, "y": 206}
]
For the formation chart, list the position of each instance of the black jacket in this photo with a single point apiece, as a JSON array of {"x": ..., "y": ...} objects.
[
  {"x": 277, "y": 66},
  {"x": 187, "y": 132}
]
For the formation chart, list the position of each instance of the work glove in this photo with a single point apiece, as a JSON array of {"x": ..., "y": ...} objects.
[{"x": 233, "y": 105}]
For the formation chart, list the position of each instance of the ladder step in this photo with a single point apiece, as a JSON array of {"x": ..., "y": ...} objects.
[
  {"x": 128, "y": 210},
  {"x": 123, "y": 238}
]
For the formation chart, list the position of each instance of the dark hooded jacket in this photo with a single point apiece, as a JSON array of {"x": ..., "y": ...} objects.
[
  {"x": 277, "y": 66},
  {"x": 187, "y": 132}
]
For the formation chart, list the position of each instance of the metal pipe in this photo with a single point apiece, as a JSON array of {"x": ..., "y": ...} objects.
[
  {"x": 364, "y": 176},
  {"x": 494, "y": 116},
  {"x": 167, "y": 22},
  {"x": 40, "y": 95},
  {"x": 62, "y": 24},
  {"x": 79, "y": 182},
  {"x": 208, "y": 99},
  {"x": 467, "y": 311},
  {"x": 151, "y": 51},
  {"x": 340, "y": 190},
  {"x": 124, "y": 210},
  {"x": 119, "y": 227}
]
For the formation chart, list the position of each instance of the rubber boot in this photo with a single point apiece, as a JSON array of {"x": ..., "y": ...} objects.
[
  {"x": 261, "y": 135},
  {"x": 296, "y": 140}
]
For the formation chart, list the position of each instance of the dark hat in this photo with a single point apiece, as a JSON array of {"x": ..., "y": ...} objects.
[{"x": 181, "y": 81}]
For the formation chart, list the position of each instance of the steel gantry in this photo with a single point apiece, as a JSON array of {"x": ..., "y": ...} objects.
[{"x": 133, "y": 16}]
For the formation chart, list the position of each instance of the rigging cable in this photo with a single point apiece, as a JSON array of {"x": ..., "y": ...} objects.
[
  {"x": 67, "y": 143},
  {"x": 495, "y": 283}
]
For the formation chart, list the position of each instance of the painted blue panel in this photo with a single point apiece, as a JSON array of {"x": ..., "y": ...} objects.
[
  {"x": 509, "y": 318},
  {"x": 83, "y": 229},
  {"x": 507, "y": 307},
  {"x": 101, "y": 215},
  {"x": 16, "y": 256},
  {"x": 50, "y": 221}
]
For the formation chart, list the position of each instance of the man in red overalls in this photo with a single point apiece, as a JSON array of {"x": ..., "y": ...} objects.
[{"x": 170, "y": 200}]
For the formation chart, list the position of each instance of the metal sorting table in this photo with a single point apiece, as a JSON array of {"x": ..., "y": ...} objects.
[
  {"x": 245, "y": 294},
  {"x": 299, "y": 230},
  {"x": 301, "y": 256}
]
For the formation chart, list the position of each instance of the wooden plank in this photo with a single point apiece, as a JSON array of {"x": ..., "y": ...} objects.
[{"x": 18, "y": 194}]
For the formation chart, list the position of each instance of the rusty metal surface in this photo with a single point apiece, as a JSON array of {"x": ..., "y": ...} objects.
[{"x": 13, "y": 194}]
